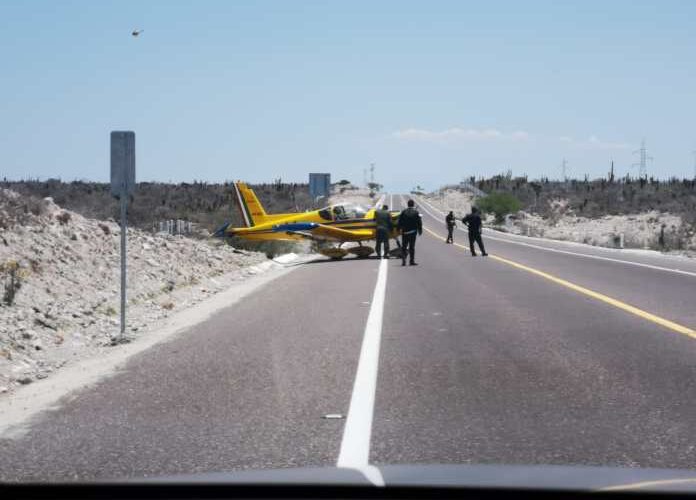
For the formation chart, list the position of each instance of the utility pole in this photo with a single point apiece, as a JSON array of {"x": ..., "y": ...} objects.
[
  {"x": 643, "y": 163},
  {"x": 372, "y": 173},
  {"x": 694, "y": 153}
]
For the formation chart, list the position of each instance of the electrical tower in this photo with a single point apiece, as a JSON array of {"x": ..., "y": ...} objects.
[
  {"x": 372, "y": 173},
  {"x": 564, "y": 169},
  {"x": 643, "y": 163}
]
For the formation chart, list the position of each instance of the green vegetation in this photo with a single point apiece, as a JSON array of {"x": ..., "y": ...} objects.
[
  {"x": 499, "y": 204},
  {"x": 608, "y": 196},
  {"x": 598, "y": 197},
  {"x": 208, "y": 205}
]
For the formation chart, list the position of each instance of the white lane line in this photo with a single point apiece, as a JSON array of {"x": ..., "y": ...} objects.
[
  {"x": 355, "y": 445},
  {"x": 402, "y": 200},
  {"x": 567, "y": 252}
]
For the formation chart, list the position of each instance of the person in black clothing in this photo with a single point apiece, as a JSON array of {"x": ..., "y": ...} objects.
[
  {"x": 409, "y": 224},
  {"x": 473, "y": 222},
  {"x": 450, "y": 221},
  {"x": 384, "y": 224}
]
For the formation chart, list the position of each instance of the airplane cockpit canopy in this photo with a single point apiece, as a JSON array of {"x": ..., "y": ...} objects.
[{"x": 343, "y": 211}]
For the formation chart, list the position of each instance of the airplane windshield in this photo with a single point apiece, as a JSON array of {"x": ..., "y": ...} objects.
[{"x": 348, "y": 211}]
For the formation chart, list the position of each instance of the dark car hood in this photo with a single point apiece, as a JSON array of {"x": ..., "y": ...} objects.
[{"x": 552, "y": 477}]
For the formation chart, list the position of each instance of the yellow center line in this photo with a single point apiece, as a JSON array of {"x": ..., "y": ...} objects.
[{"x": 590, "y": 293}]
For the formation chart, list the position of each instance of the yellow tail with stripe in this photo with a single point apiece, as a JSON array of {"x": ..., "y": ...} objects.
[{"x": 253, "y": 213}]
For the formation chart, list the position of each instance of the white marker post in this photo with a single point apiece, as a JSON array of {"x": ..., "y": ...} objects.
[{"x": 122, "y": 185}]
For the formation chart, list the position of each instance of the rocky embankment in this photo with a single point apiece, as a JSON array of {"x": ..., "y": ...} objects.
[
  {"x": 60, "y": 284},
  {"x": 648, "y": 230}
]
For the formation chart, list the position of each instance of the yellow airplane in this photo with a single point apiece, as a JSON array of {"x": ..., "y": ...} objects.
[{"x": 330, "y": 227}]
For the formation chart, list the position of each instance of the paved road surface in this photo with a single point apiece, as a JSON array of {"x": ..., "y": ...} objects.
[{"x": 472, "y": 360}]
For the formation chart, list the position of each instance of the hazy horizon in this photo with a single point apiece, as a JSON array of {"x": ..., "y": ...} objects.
[{"x": 428, "y": 92}]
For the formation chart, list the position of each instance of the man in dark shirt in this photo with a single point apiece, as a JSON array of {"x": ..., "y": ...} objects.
[
  {"x": 450, "y": 221},
  {"x": 409, "y": 224},
  {"x": 384, "y": 225},
  {"x": 473, "y": 222}
]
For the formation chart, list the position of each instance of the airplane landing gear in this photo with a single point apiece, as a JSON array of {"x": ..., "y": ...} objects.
[
  {"x": 362, "y": 252},
  {"x": 334, "y": 253}
]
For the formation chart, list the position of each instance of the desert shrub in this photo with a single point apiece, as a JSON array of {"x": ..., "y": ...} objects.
[
  {"x": 599, "y": 197},
  {"x": 63, "y": 217},
  {"x": 499, "y": 204},
  {"x": 12, "y": 277}
]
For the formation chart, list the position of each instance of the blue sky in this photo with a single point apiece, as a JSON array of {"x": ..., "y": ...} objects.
[{"x": 428, "y": 91}]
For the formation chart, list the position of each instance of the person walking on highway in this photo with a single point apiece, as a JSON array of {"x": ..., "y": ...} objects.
[
  {"x": 451, "y": 224},
  {"x": 473, "y": 223},
  {"x": 384, "y": 225},
  {"x": 409, "y": 224}
]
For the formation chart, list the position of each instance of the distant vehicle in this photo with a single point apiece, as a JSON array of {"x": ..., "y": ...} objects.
[{"x": 331, "y": 227}]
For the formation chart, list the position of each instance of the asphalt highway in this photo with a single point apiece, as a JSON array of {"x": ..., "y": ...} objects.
[{"x": 541, "y": 353}]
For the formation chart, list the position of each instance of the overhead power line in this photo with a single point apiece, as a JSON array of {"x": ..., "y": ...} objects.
[{"x": 643, "y": 163}]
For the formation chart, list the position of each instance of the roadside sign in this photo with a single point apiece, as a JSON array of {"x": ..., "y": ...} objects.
[
  {"x": 122, "y": 185},
  {"x": 122, "y": 163},
  {"x": 319, "y": 185}
]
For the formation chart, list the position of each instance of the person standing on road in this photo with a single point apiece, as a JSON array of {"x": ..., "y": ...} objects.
[
  {"x": 384, "y": 225},
  {"x": 409, "y": 224},
  {"x": 451, "y": 224},
  {"x": 473, "y": 223}
]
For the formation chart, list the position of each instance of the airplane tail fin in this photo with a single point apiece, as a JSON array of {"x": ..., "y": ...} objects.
[{"x": 249, "y": 205}]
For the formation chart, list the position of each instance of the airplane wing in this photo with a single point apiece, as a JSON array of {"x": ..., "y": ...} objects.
[{"x": 314, "y": 231}]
